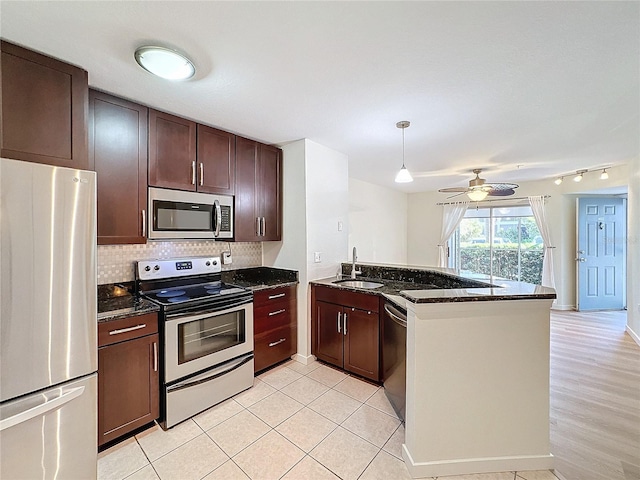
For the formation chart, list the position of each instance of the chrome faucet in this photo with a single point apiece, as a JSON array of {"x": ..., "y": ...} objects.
[{"x": 355, "y": 272}]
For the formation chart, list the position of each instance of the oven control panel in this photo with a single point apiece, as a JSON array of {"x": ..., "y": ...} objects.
[{"x": 150, "y": 269}]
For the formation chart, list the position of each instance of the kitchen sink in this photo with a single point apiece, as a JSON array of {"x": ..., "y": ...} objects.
[{"x": 359, "y": 283}]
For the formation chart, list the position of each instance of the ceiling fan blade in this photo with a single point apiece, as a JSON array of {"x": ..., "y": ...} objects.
[
  {"x": 453, "y": 190},
  {"x": 501, "y": 193},
  {"x": 457, "y": 195}
]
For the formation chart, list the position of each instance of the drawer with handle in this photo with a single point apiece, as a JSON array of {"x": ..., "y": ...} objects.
[
  {"x": 127, "y": 328},
  {"x": 274, "y": 346},
  {"x": 274, "y": 295},
  {"x": 272, "y": 316}
]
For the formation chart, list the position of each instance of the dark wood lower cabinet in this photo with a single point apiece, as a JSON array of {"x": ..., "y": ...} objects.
[
  {"x": 128, "y": 388},
  {"x": 274, "y": 326},
  {"x": 346, "y": 336}
]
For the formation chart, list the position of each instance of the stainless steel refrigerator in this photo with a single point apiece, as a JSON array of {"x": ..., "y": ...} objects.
[{"x": 48, "y": 327}]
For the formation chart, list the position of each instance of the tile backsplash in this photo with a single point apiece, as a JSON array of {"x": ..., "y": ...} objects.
[{"x": 116, "y": 262}]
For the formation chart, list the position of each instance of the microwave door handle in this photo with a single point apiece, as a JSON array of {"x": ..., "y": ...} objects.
[{"x": 218, "y": 219}]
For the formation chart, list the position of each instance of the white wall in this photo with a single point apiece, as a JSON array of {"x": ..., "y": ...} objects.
[
  {"x": 316, "y": 198},
  {"x": 633, "y": 252},
  {"x": 377, "y": 223},
  {"x": 424, "y": 220}
]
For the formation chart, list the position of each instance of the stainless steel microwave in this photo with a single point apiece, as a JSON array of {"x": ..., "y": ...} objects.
[{"x": 174, "y": 214}]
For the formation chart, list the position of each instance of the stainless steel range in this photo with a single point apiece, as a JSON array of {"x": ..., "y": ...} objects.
[{"x": 206, "y": 333}]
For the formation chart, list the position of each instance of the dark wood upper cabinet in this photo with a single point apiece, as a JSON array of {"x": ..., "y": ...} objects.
[
  {"x": 258, "y": 214},
  {"x": 118, "y": 153},
  {"x": 44, "y": 109},
  {"x": 216, "y": 161},
  {"x": 172, "y": 151}
]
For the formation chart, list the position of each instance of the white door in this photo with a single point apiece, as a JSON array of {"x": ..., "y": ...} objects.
[{"x": 601, "y": 247}]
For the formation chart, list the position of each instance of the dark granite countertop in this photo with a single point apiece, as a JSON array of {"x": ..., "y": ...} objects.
[
  {"x": 260, "y": 278},
  {"x": 436, "y": 285},
  {"x": 116, "y": 301}
]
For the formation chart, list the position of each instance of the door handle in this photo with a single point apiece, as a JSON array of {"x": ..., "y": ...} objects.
[
  {"x": 271, "y": 297},
  {"x": 264, "y": 226},
  {"x": 193, "y": 172},
  {"x": 339, "y": 321},
  {"x": 201, "y": 173},
  {"x": 344, "y": 330},
  {"x": 216, "y": 205},
  {"x": 155, "y": 356},
  {"x": 41, "y": 409},
  {"x": 144, "y": 223},
  {"x": 581, "y": 260},
  {"x": 257, "y": 226},
  {"x": 278, "y": 342},
  {"x": 277, "y": 312}
]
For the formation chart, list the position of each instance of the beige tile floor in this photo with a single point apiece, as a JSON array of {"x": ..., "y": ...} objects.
[{"x": 298, "y": 422}]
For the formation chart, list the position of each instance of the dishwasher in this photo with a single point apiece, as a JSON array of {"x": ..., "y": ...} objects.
[{"x": 394, "y": 356}]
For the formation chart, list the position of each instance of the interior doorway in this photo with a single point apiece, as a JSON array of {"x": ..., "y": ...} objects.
[{"x": 601, "y": 253}]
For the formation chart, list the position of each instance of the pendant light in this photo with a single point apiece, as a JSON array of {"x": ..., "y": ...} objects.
[{"x": 403, "y": 175}]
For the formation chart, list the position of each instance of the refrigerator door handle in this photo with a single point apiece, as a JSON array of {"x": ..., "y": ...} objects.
[{"x": 41, "y": 409}]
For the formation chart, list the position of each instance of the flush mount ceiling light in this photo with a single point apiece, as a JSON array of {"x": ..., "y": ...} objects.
[
  {"x": 558, "y": 180},
  {"x": 604, "y": 175},
  {"x": 165, "y": 63},
  {"x": 403, "y": 175},
  {"x": 578, "y": 177}
]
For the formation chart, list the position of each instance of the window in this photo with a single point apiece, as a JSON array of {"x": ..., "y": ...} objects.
[{"x": 500, "y": 241}]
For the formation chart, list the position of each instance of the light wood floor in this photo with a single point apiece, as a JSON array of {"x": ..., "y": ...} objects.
[{"x": 595, "y": 397}]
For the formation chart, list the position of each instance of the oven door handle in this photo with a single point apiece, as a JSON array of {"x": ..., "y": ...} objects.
[
  {"x": 196, "y": 315},
  {"x": 212, "y": 374}
]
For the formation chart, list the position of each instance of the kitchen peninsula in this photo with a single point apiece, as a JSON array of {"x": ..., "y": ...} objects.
[{"x": 477, "y": 372}]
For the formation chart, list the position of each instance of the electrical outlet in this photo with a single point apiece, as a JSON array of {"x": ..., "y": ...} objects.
[
  {"x": 317, "y": 257},
  {"x": 339, "y": 225},
  {"x": 226, "y": 258}
]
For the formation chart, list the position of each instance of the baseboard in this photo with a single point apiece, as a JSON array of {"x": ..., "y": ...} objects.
[
  {"x": 467, "y": 466},
  {"x": 634, "y": 335},
  {"x": 563, "y": 307},
  {"x": 302, "y": 359}
]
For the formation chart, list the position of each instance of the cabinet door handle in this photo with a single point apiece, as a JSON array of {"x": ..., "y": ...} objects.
[
  {"x": 257, "y": 226},
  {"x": 339, "y": 321},
  {"x": 278, "y": 342},
  {"x": 264, "y": 227},
  {"x": 144, "y": 223},
  {"x": 125, "y": 330},
  {"x": 344, "y": 330},
  {"x": 271, "y": 297},
  {"x": 201, "y": 173},
  {"x": 155, "y": 356},
  {"x": 193, "y": 172},
  {"x": 277, "y": 312}
]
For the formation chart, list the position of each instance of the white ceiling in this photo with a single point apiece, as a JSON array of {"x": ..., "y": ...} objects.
[{"x": 525, "y": 90}]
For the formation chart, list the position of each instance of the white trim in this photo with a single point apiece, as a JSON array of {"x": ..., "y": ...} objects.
[
  {"x": 562, "y": 307},
  {"x": 302, "y": 359},
  {"x": 634, "y": 335},
  {"x": 464, "y": 466}
]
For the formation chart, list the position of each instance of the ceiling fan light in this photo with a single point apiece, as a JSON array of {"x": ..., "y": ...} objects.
[
  {"x": 403, "y": 176},
  {"x": 165, "y": 63},
  {"x": 558, "y": 181},
  {"x": 604, "y": 175},
  {"x": 477, "y": 194}
]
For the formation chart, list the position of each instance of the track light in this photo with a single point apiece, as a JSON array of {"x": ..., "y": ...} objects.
[
  {"x": 578, "y": 177},
  {"x": 558, "y": 180},
  {"x": 604, "y": 175}
]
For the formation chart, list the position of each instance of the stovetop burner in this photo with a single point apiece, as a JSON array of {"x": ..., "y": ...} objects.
[{"x": 182, "y": 283}]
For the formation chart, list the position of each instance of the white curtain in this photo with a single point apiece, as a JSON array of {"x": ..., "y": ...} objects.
[
  {"x": 537, "y": 206},
  {"x": 451, "y": 217}
]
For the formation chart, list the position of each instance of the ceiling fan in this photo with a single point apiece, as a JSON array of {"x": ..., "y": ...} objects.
[{"x": 478, "y": 189}]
